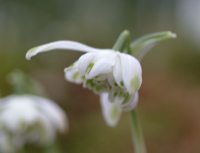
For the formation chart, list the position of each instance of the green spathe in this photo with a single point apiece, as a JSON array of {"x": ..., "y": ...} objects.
[{"x": 142, "y": 45}]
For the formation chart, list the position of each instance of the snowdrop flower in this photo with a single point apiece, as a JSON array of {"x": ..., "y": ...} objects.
[
  {"x": 31, "y": 119},
  {"x": 115, "y": 76}
]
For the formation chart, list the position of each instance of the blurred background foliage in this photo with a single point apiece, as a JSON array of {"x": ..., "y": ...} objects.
[{"x": 169, "y": 98}]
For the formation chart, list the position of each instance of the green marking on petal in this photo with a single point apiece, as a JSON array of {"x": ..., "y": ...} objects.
[
  {"x": 126, "y": 98},
  {"x": 96, "y": 86},
  {"x": 114, "y": 112},
  {"x": 121, "y": 83},
  {"x": 115, "y": 94},
  {"x": 76, "y": 76},
  {"x": 89, "y": 67},
  {"x": 135, "y": 83},
  {"x": 90, "y": 82}
]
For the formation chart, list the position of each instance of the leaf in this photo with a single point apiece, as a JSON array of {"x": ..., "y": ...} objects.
[{"x": 141, "y": 46}]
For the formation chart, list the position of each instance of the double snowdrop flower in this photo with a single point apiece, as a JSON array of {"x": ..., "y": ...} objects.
[
  {"x": 30, "y": 119},
  {"x": 115, "y": 76}
]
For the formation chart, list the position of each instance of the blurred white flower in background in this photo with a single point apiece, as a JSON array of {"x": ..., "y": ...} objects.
[
  {"x": 116, "y": 76},
  {"x": 30, "y": 119}
]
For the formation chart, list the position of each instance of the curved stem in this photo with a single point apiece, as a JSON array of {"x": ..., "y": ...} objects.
[{"x": 137, "y": 135}]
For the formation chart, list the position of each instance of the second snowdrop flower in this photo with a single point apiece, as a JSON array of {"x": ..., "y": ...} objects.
[{"x": 31, "y": 119}]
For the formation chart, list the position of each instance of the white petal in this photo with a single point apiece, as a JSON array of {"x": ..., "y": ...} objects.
[
  {"x": 100, "y": 67},
  {"x": 53, "y": 112},
  {"x": 17, "y": 109},
  {"x": 111, "y": 111},
  {"x": 68, "y": 45},
  {"x": 117, "y": 71},
  {"x": 106, "y": 53},
  {"x": 131, "y": 73},
  {"x": 110, "y": 79},
  {"x": 128, "y": 106},
  {"x": 72, "y": 74},
  {"x": 90, "y": 58},
  {"x": 84, "y": 61}
]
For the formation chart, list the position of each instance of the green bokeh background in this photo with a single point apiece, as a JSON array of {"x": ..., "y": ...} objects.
[{"x": 169, "y": 98}]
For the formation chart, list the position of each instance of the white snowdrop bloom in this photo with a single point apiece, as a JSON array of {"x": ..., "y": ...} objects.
[
  {"x": 31, "y": 119},
  {"x": 116, "y": 76}
]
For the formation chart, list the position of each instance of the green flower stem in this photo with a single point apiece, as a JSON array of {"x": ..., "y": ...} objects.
[{"x": 137, "y": 135}]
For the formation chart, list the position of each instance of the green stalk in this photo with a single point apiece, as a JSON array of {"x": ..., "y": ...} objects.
[{"x": 137, "y": 135}]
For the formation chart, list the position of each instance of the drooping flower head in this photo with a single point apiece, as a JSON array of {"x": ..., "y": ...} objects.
[
  {"x": 30, "y": 119},
  {"x": 114, "y": 75},
  {"x": 104, "y": 71}
]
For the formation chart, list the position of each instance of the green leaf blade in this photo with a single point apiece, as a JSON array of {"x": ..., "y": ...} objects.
[{"x": 140, "y": 47}]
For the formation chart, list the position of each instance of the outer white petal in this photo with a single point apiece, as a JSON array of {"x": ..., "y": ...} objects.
[
  {"x": 90, "y": 58},
  {"x": 109, "y": 54},
  {"x": 111, "y": 111},
  {"x": 117, "y": 70},
  {"x": 131, "y": 73},
  {"x": 84, "y": 61},
  {"x": 100, "y": 67},
  {"x": 68, "y": 45}
]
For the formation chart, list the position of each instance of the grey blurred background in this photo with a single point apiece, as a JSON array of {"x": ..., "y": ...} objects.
[{"x": 169, "y": 98}]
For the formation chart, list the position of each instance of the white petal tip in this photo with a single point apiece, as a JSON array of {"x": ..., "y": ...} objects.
[
  {"x": 171, "y": 34},
  {"x": 111, "y": 111},
  {"x": 30, "y": 54}
]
